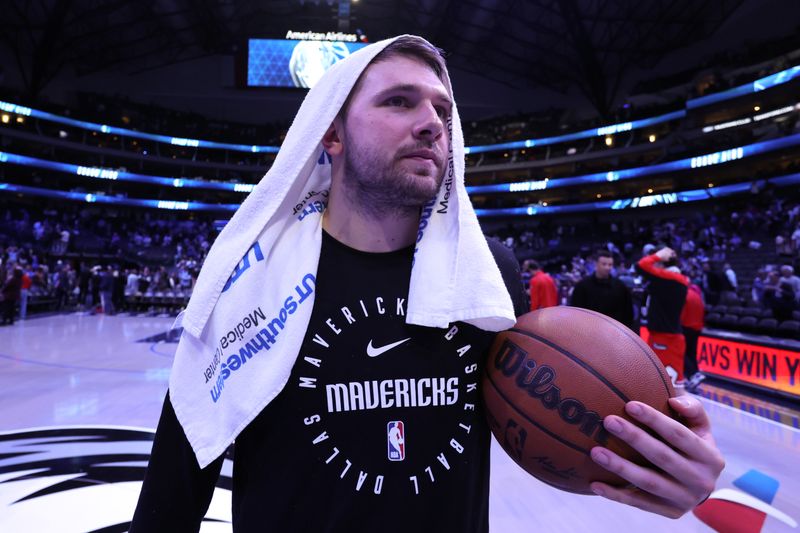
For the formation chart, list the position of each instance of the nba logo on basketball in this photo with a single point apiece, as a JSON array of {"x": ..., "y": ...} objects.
[{"x": 396, "y": 440}]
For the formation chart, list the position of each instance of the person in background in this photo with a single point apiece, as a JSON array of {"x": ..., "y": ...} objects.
[
  {"x": 713, "y": 284},
  {"x": 787, "y": 276},
  {"x": 106, "y": 288},
  {"x": 779, "y": 296},
  {"x": 667, "y": 290},
  {"x": 759, "y": 282},
  {"x": 692, "y": 322},
  {"x": 543, "y": 291},
  {"x": 729, "y": 287},
  {"x": 9, "y": 295},
  {"x": 604, "y": 293},
  {"x": 23, "y": 295}
]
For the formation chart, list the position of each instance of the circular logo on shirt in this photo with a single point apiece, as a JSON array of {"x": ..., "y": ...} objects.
[{"x": 388, "y": 408}]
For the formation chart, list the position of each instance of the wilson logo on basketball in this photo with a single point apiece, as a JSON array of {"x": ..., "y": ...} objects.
[
  {"x": 539, "y": 381},
  {"x": 553, "y": 378}
]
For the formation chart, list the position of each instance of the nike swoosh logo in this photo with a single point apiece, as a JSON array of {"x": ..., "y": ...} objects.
[{"x": 375, "y": 352}]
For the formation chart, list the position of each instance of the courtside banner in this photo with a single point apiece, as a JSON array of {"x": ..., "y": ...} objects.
[{"x": 770, "y": 367}]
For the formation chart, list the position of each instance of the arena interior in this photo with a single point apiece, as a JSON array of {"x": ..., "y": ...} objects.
[{"x": 130, "y": 132}]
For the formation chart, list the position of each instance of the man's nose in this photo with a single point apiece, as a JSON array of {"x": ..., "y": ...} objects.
[{"x": 429, "y": 124}]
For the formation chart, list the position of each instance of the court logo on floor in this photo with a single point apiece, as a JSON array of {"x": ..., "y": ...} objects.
[
  {"x": 745, "y": 510},
  {"x": 82, "y": 479}
]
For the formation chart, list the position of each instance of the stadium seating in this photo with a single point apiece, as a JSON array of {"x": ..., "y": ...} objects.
[
  {"x": 767, "y": 326},
  {"x": 789, "y": 329}
]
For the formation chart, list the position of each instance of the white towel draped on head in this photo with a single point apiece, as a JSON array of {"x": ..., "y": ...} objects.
[{"x": 252, "y": 303}]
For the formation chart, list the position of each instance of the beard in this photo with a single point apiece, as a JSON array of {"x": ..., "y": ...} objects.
[{"x": 377, "y": 184}]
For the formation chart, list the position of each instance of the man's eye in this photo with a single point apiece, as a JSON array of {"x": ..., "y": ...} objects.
[{"x": 396, "y": 101}]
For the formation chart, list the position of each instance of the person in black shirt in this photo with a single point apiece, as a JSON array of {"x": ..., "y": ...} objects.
[
  {"x": 380, "y": 426},
  {"x": 667, "y": 288},
  {"x": 604, "y": 293}
]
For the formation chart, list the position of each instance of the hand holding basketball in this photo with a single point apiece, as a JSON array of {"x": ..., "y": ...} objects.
[
  {"x": 551, "y": 381},
  {"x": 582, "y": 403},
  {"x": 690, "y": 464}
]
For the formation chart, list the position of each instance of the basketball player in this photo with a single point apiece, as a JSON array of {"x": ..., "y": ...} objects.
[
  {"x": 667, "y": 290},
  {"x": 295, "y": 472}
]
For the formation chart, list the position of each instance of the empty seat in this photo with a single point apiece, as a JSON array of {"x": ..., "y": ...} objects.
[
  {"x": 736, "y": 310},
  {"x": 713, "y": 318},
  {"x": 789, "y": 329},
  {"x": 767, "y": 326},
  {"x": 729, "y": 321},
  {"x": 747, "y": 324},
  {"x": 796, "y": 315},
  {"x": 751, "y": 311},
  {"x": 721, "y": 309}
]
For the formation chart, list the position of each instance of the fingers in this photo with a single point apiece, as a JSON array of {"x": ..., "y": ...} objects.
[
  {"x": 685, "y": 462},
  {"x": 647, "y": 479},
  {"x": 636, "y": 498},
  {"x": 654, "y": 450},
  {"x": 673, "y": 432},
  {"x": 691, "y": 409}
]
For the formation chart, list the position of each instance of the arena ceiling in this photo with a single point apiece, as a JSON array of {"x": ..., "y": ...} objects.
[{"x": 587, "y": 45}]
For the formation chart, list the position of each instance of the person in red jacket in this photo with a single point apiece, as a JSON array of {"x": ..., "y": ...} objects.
[
  {"x": 543, "y": 289},
  {"x": 23, "y": 295},
  {"x": 9, "y": 295},
  {"x": 692, "y": 321},
  {"x": 667, "y": 290}
]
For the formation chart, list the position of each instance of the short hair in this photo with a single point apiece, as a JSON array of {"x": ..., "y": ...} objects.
[
  {"x": 603, "y": 253},
  {"x": 534, "y": 264},
  {"x": 404, "y": 46},
  {"x": 416, "y": 47}
]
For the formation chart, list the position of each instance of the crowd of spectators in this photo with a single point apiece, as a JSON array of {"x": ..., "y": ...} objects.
[
  {"x": 90, "y": 258},
  {"x": 94, "y": 258},
  {"x": 727, "y": 252}
]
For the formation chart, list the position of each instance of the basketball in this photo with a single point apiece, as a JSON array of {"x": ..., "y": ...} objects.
[{"x": 552, "y": 379}]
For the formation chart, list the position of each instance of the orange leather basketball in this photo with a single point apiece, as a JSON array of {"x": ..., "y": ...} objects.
[{"x": 552, "y": 379}]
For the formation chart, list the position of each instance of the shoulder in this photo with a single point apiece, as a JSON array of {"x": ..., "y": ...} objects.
[
  {"x": 505, "y": 258},
  {"x": 509, "y": 269},
  {"x": 618, "y": 283}
]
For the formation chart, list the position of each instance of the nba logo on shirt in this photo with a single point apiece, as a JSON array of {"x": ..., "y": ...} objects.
[{"x": 396, "y": 440}]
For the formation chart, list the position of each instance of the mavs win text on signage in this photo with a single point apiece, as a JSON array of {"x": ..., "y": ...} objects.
[{"x": 765, "y": 366}]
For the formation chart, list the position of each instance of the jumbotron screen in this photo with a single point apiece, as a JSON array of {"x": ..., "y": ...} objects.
[{"x": 286, "y": 63}]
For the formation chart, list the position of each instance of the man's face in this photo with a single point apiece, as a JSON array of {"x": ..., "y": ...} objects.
[
  {"x": 395, "y": 135},
  {"x": 603, "y": 267}
]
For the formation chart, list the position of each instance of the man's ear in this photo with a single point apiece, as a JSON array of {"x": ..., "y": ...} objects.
[{"x": 332, "y": 140}]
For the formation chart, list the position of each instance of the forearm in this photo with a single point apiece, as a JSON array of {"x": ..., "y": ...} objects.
[{"x": 176, "y": 492}]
